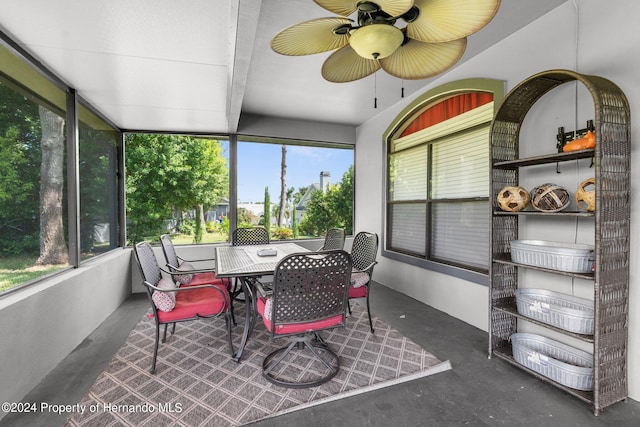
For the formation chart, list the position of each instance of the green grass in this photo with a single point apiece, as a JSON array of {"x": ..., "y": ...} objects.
[
  {"x": 17, "y": 270},
  {"x": 185, "y": 239}
]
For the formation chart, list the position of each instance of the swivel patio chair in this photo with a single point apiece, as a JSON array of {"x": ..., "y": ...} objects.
[
  {"x": 171, "y": 304},
  {"x": 333, "y": 240},
  {"x": 309, "y": 295},
  {"x": 363, "y": 254}
]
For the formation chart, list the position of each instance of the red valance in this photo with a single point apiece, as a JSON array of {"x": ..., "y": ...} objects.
[{"x": 447, "y": 109}]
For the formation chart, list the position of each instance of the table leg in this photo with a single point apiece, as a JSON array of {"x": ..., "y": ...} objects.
[{"x": 247, "y": 288}]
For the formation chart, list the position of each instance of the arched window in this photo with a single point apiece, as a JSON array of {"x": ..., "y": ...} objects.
[{"x": 437, "y": 206}]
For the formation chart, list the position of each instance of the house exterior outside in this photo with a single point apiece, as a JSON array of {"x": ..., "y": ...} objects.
[{"x": 301, "y": 206}]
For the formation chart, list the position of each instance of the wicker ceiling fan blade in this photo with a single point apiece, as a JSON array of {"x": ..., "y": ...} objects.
[
  {"x": 394, "y": 7},
  {"x": 315, "y": 36},
  {"x": 345, "y": 65},
  {"x": 347, "y": 7},
  {"x": 446, "y": 20},
  {"x": 340, "y": 7},
  {"x": 418, "y": 60}
]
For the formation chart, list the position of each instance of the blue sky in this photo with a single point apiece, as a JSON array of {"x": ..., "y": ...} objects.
[{"x": 259, "y": 167}]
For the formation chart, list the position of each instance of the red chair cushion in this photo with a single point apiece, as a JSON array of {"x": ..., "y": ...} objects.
[
  {"x": 360, "y": 292},
  {"x": 198, "y": 302},
  {"x": 208, "y": 278},
  {"x": 297, "y": 328}
]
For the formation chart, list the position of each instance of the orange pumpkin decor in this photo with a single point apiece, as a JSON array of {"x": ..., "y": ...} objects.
[{"x": 587, "y": 141}]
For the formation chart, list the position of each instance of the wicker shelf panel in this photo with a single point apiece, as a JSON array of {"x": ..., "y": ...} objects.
[
  {"x": 507, "y": 354},
  {"x": 538, "y": 213},
  {"x": 541, "y": 160},
  {"x": 611, "y": 225},
  {"x": 512, "y": 309},
  {"x": 505, "y": 258}
]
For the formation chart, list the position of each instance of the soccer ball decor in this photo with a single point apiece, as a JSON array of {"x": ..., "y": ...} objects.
[
  {"x": 586, "y": 195},
  {"x": 549, "y": 198},
  {"x": 513, "y": 199}
]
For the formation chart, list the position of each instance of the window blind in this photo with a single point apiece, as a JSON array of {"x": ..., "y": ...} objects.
[
  {"x": 409, "y": 227},
  {"x": 408, "y": 174},
  {"x": 460, "y": 165},
  {"x": 460, "y": 233}
]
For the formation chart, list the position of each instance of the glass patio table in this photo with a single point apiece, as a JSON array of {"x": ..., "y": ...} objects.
[{"x": 247, "y": 264}]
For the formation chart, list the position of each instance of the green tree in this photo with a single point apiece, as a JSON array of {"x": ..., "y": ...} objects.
[
  {"x": 282, "y": 207},
  {"x": 245, "y": 217},
  {"x": 299, "y": 194},
  {"x": 205, "y": 168},
  {"x": 97, "y": 155},
  {"x": 20, "y": 159},
  {"x": 342, "y": 202},
  {"x": 333, "y": 208},
  {"x": 267, "y": 210},
  {"x": 294, "y": 223},
  {"x": 166, "y": 172},
  {"x": 53, "y": 246}
]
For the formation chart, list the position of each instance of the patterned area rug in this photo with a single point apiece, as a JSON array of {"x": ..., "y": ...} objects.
[{"x": 197, "y": 383}]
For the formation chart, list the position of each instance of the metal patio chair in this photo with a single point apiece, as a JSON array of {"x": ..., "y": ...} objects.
[
  {"x": 309, "y": 295},
  {"x": 363, "y": 254},
  {"x": 245, "y": 236},
  {"x": 250, "y": 236},
  {"x": 333, "y": 240},
  {"x": 182, "y": 266},
  {"x": 187, "y": 275},
  {"x": 171, "y": 304}
]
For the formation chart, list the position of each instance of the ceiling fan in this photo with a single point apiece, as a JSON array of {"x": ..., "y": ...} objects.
[{"x": 433, "y": 40}]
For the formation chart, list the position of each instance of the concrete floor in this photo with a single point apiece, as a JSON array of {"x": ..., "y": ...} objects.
[{"x": 477, "y": 392}]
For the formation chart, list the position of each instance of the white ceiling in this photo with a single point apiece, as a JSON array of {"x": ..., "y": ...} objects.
[{"x": 197, "y": 65}]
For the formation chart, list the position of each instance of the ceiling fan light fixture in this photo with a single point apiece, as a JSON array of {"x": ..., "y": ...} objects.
[{"x": 376, "y": 41}]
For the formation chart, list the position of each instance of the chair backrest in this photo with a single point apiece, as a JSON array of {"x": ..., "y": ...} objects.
[
  {"x": 311, "y": 286},
  {"x": 334, "y": 239},
  {"x": 169, "y": 251},
  {"x": 364, "y": 251},
  {"x": 148, "y": 263},
  {"x": 250, "y": 236}
]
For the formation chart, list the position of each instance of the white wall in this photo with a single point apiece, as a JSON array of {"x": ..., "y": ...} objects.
[
  {"x": 588, "y": 36},
  {"x": 42, "y": 324}
]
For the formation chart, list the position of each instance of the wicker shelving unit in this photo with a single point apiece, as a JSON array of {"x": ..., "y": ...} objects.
[{"x": 611, "y": 221}]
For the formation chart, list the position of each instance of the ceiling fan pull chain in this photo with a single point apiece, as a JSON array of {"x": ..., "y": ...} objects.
[
  {"x": 375, "y": 91},
  {"x": 402, "y": 89}
]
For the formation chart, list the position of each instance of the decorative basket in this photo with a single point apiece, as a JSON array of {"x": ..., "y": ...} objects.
[
  {"x": 513, "y": 199},
  {"x": 564, "y": 364},
  {"x": 569, "y": 257},
  {"x": 553, "y": 308},
  {"x": 586, "y": 195},
  {"x": 549, "y": 198}
]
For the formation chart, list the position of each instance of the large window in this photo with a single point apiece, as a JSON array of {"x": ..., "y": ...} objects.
[
  {"x": 296, "y": 189},
  {"x": 44, "y": 186},
  {"x": 438, "y": 180},
  {"x": 181, "y": 185},
  {"x": 177, "y": 184},
  {"x": 97, "y": 169},
  {"x": 33, "y": 238}
]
